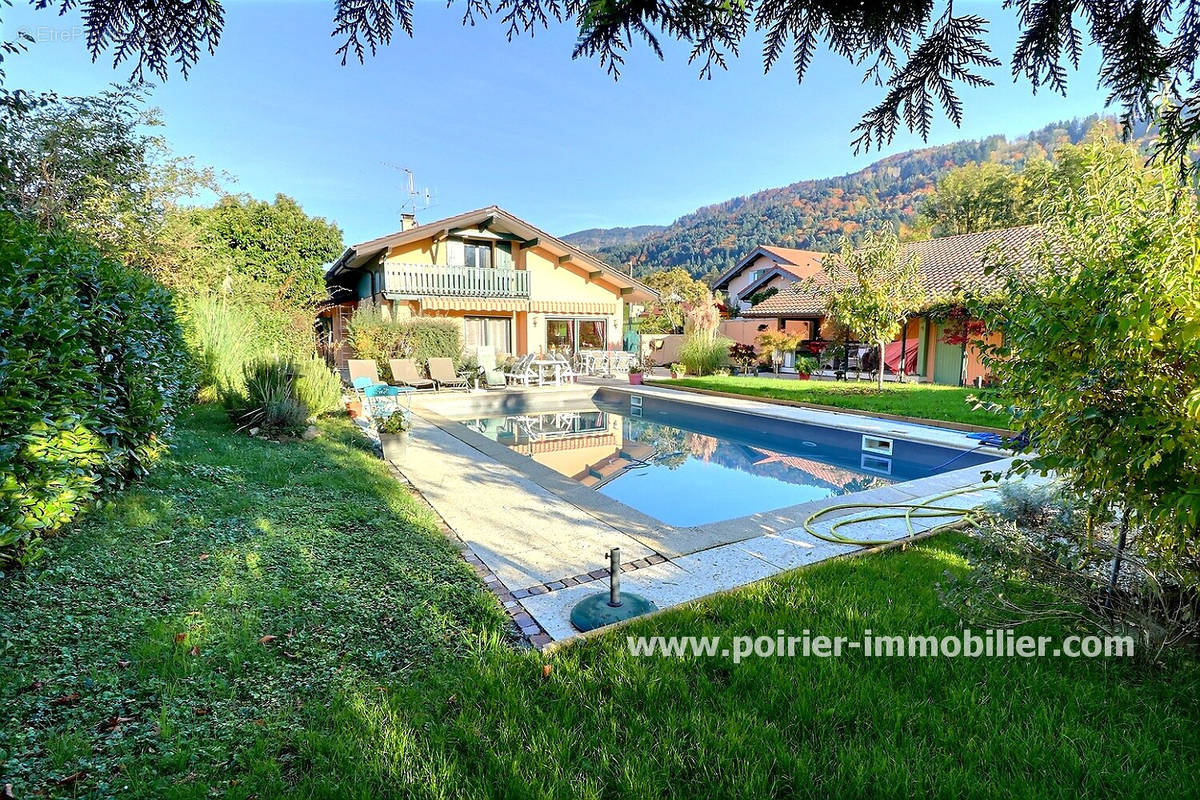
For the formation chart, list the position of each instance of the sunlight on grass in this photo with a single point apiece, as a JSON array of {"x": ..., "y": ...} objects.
[{"x": 335, "y": 645}]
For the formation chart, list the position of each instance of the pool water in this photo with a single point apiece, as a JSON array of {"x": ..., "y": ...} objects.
[{"x": 688, "y": 465}]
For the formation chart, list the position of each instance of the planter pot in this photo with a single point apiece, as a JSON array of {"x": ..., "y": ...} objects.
[
  {"x": 395, "y": 445},
  {"x": 803, "y": 375},
  {"x": 354, "y": 408},
  {"x": 678, "y": 375},
  {"x": 635, "y": 379}
]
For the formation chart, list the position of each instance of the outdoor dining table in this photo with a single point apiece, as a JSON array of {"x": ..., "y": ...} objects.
[{"x": 541, "y": 363}]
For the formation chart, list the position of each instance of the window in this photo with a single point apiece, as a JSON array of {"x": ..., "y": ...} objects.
[
  {"x": 560, "y": 335},
  {"x": 591, "y": 334},
  {"x": 488, "y": 332},
  {"x": 477, "y": 254},
  {"x": 571, "y": 335}
]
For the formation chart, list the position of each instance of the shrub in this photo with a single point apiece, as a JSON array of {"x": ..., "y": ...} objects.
[
  {"x": 93, "y": 370},
  {"x": 1100, "y": 361},
  {"x": 318, "y": 387},
  {"x": 702, "y": 352},
  {"x": 743, "y": 355},
  {"x": 271, "y": 402},
  {"x": 372, "y": 335}
]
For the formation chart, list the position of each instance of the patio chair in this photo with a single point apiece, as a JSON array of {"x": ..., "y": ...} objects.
[
  {"x": 493, "y": 377},
  {"x": 565, "y": 371},
  {"x": 443, "y": 374},
  {"x": 363, "y": 368},
  {"x": 404, "y": 373},
  {"x": 383, "y": 400},
  {"x": 523, "y": 372}
]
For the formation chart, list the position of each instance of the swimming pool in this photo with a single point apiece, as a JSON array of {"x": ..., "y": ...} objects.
[{"x": 689, "y": 465}]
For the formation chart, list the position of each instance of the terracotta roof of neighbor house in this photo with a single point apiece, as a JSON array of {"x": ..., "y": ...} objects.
[
  {"x": 359, "y": 254},
  {"x": 948, "y": 264},
  {"x": 800, "y": 263}
]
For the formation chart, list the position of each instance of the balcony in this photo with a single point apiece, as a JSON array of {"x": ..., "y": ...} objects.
[{"x": 423, "y": 280}]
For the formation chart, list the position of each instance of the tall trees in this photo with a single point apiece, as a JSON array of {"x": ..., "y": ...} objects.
[
  {"x": 94, "y": 165},
  {"x": 872, "y": 289},
  {"x": 976, "y": 197},
  {"x": 270, "y": 250},
  {"x": 677, "y": 292}
]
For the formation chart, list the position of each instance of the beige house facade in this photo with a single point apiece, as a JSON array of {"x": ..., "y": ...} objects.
[{"x": 508, "y": 285}]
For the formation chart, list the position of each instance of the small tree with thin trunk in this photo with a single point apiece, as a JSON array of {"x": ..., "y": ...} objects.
[{"x": 872, "y": 289}]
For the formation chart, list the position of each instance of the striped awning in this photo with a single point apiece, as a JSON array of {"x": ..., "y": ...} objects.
[
  {"x": 572, "y": 307},
  {"x": 474, "y": 304}
]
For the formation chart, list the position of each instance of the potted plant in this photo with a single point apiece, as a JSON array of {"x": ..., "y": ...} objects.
[
  {"x": 805, "y": 366},
  {"x": 391, "y": 431},
  {"x": 635, "y": 375},
  {"x": 678, "y": 371}
]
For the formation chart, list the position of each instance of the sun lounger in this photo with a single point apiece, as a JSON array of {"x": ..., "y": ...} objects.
[
  {"x": 442, "y": 372},
  {"x": 404, "y": 373}
]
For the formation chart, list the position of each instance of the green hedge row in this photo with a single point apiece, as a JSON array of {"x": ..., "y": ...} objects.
[
  {"x": 93, "y": 370},
  {"x": 419, "y": 338}
]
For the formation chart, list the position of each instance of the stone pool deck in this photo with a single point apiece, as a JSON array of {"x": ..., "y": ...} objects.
[{"x": 540, "y": 539}]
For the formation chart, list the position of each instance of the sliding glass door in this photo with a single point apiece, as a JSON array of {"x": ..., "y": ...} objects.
[{"x": 571, "y": 334}]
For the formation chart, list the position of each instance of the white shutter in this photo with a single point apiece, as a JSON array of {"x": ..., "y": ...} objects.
[{"x": 455, "y": 257}]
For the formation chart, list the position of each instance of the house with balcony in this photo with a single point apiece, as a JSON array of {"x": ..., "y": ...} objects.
[{"x": 508, "y": 284}]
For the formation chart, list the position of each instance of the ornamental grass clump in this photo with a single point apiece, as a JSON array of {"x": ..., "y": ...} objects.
[{"x": 703, "y": 350}]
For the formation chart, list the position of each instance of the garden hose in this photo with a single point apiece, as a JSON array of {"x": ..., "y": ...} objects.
[{"x": 905, "y": 511}]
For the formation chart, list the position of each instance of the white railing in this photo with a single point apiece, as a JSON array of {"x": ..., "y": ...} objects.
[{"x": 423, "y": 279}]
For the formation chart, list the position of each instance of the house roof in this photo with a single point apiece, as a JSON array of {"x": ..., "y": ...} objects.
[
  {"x": 948, "y": 265},
  {"x": 766, "y": 278},
  {"x": 799, "y": 263},
  {"x": 358, "y": 255}
]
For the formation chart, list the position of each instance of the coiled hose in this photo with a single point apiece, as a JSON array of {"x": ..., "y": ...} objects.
[{"x": 906, "y": 511}]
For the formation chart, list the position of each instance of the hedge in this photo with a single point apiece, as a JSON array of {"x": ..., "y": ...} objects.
[
  {"x": 419, "y": 338},
  {"x": 93, "y": 370}
]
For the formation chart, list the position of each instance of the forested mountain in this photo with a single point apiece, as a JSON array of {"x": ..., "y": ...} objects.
[
  {"x": 598, "y": 238},
  {"x": 815, "y": 214}
]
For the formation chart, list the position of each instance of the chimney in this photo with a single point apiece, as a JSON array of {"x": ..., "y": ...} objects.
[{"x": 408, "y": 222}]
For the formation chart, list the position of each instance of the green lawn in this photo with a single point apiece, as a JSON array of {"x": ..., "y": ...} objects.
[
  {"x": 920, "y": 400},
  {"x": 391, "y": 675}
]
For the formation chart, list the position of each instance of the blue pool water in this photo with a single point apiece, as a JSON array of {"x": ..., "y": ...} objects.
[{"x": 691, "y": 465}]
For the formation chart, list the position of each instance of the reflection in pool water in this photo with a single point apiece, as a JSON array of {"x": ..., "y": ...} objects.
[{"x": 682, "y": 477}]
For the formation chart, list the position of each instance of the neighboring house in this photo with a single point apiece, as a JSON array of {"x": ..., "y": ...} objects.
[
  {"x": 509, "y": 284},
  {"x": 951, "y": 266},
  {"x": 765, "y": 268}
]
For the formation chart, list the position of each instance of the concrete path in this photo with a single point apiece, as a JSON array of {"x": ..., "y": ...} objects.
[{"x": 523, "y": 532}]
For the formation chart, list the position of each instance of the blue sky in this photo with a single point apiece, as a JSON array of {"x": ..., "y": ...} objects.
[{"x": 481, "y": 121}]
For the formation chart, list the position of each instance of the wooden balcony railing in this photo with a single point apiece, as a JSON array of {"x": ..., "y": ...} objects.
[{"x": 426, "y": 280}]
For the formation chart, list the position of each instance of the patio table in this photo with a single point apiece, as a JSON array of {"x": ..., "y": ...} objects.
[{"x": 541, "y": 363}]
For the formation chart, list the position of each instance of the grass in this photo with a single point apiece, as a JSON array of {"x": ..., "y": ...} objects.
[
  {"x": 391, "y": 675},
  {"x": 918, "y": 400}
]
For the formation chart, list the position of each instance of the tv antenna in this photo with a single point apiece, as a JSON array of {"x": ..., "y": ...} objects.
[{"x": 418, "y": 199}]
